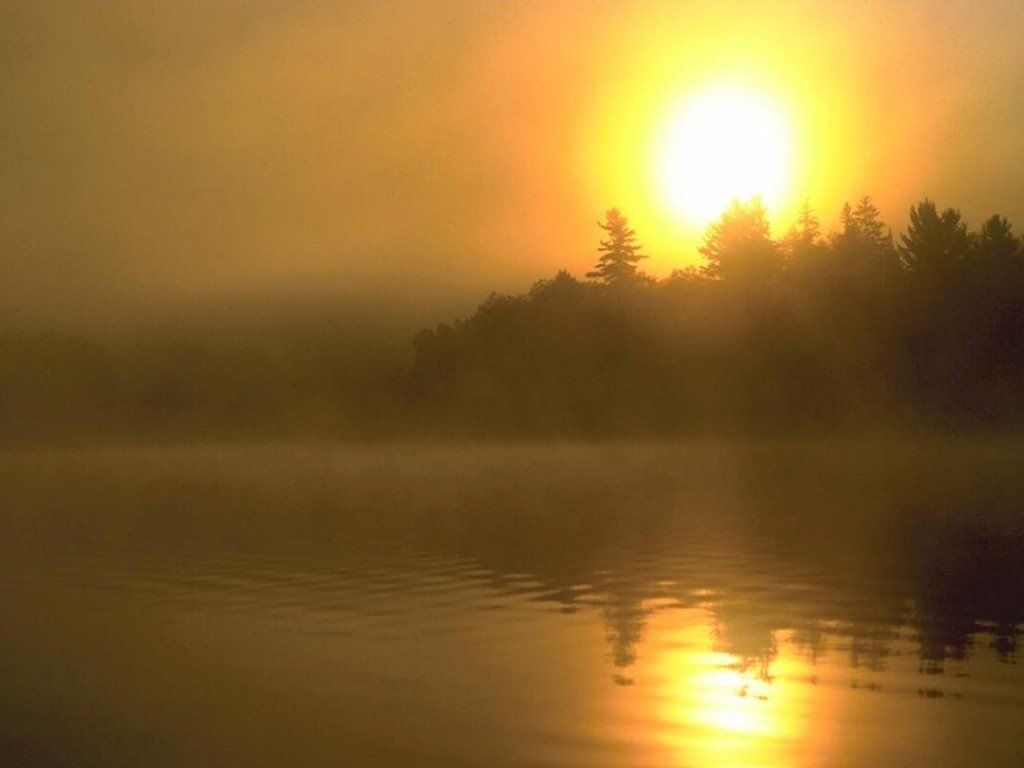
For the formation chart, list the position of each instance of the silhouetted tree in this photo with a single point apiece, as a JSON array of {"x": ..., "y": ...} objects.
[
  {"x": 739, "y": 247},
  {"x": 875, "y": 236},
  {"x": 619, "y": 253},
  {"x": 863, "y": 249},
  {"x": 822, "y": 332},
  {"x": 868, "y": 222},
  {"x": 807, "y": 229},
  {"x": 937, "y": 312},
  {"x": 803, "y": 332},
  {"x": 802, "y": 244},
  {"x": 995, "y": 247},
  {"x": 934, "y": 243}
]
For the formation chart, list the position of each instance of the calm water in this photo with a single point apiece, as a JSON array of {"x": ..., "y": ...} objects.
[{"x": 703, "y": 605}]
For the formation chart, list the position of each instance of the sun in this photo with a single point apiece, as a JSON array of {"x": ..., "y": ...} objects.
[{"x": 722, "y": 143}]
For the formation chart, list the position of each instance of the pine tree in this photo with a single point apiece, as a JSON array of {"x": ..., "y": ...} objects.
[
  {"x": 847, "y": 221},
  {"x": 739, "y": 247},
  {"x": 808, "y": 228},
  {"x": 995, "y": 245},
  {"x": 802, "y": 244},
  {"x": 868, "y": 222},
  {"x": 875, "y": 237},
  {"x": 619, "y": 253},
  {"x": 934, "y": 242},
  {"x": 864, "y": 247}
]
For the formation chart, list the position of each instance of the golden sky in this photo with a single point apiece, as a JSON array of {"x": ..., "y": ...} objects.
[{"x": 165, "y": 156}]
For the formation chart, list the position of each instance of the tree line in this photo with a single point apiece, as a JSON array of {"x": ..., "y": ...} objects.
[
  {"x": 805, "y": 332},
  {"x": 852, "y": 330}
]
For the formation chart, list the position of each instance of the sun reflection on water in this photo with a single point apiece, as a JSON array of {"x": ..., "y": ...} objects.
[{"x": 710, "y": 707}]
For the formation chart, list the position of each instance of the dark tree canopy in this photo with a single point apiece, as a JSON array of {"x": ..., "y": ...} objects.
[
  {"x": 619, "y": 253},
  {"x": 934, "y": 243},
  {"x": 739, "y": 247},
  {"x": 807, "y": 229},
  {"x": 863, "y": 248},
  {"x": 802, "y": 244},
  {"x": 995, "y": 245},
  {"x": 801, "y": 333},
  {"x": 797, "y": 334},
  {"x": 866, "y": 221}
]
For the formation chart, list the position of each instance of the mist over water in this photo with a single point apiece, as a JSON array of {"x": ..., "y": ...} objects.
[
  {"x": 778, "y": 603},
  {"x": 448, "y": 384}
]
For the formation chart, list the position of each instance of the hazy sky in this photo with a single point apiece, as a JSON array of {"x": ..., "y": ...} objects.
[{"x": 167, "y": 159}]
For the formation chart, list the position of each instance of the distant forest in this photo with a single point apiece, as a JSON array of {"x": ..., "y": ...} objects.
[{"x": 856, "y": 330}]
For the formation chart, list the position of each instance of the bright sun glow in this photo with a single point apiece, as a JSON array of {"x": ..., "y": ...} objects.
[{"x": 724, "y": 143}]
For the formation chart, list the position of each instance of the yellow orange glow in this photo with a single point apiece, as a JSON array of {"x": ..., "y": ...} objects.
[
  {"x": 716, "y": 714},
  {"x": 722, "y": 143},
  {"x": 705, "y": 707}
]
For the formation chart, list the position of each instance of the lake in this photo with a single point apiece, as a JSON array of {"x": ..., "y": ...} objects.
[{"x": 703, "y": 604}]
